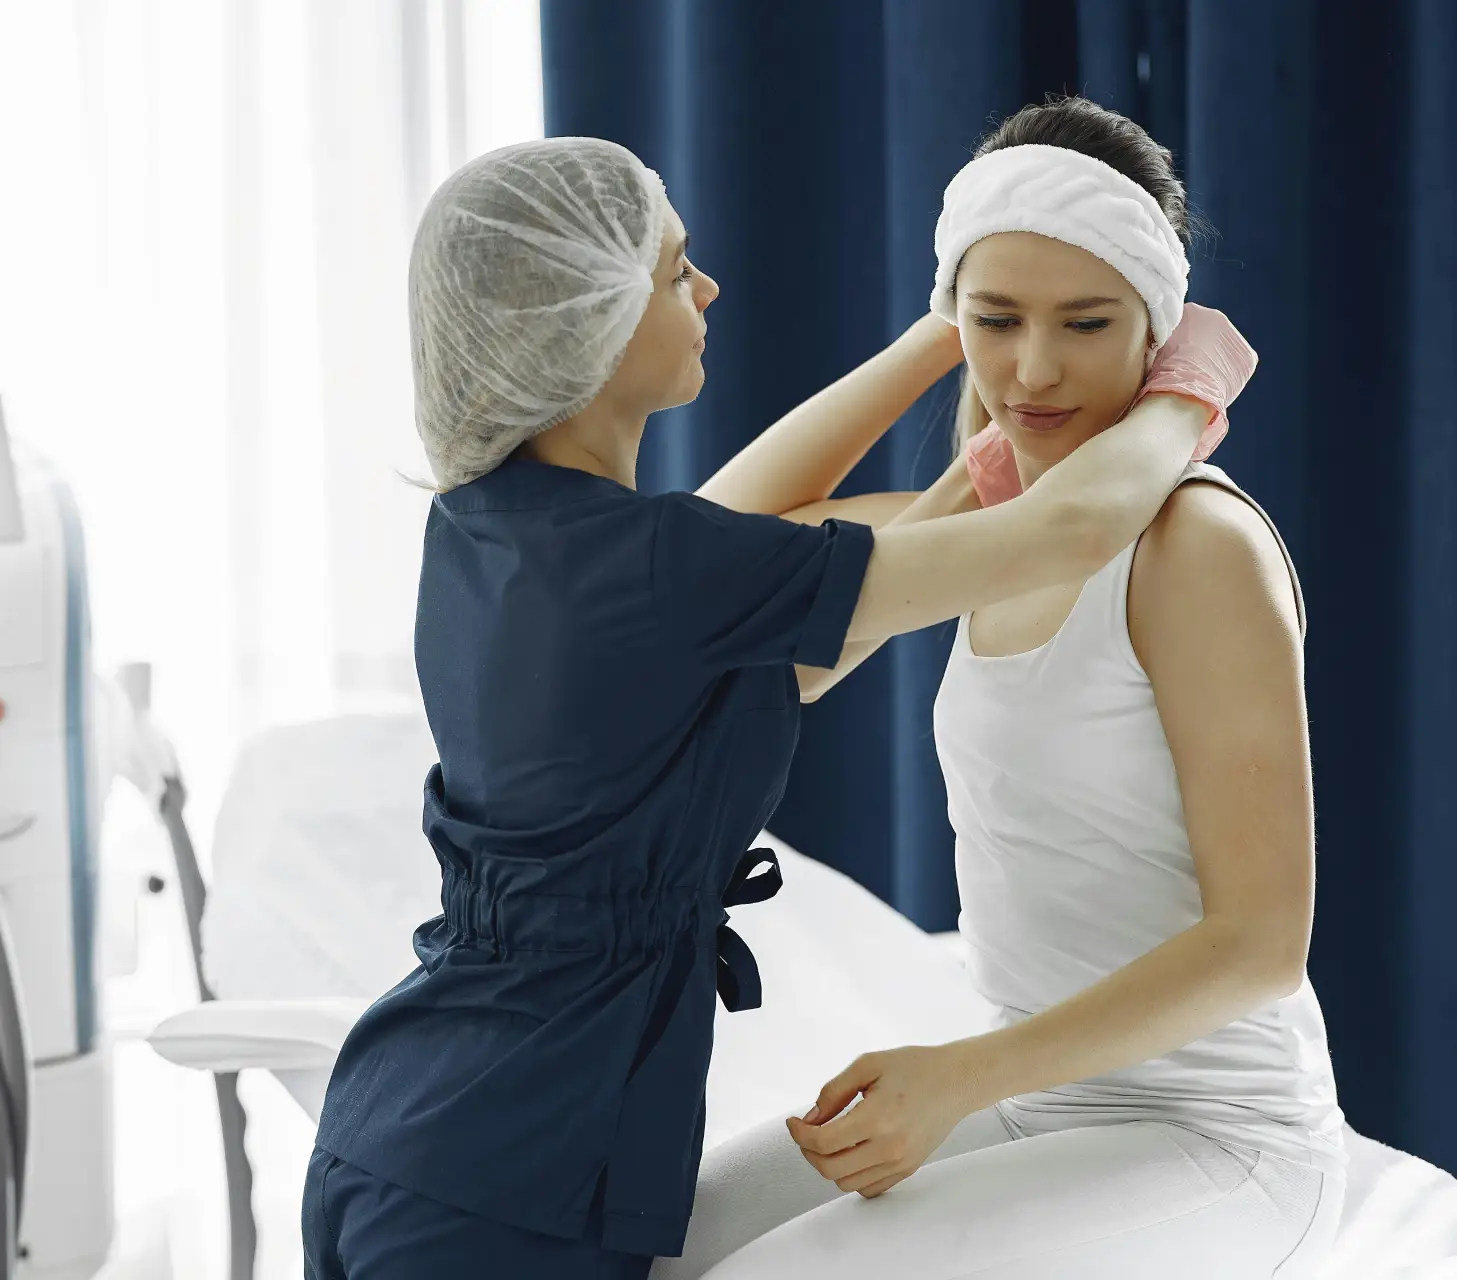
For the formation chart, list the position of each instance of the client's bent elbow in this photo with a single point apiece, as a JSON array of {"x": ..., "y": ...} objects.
[{"x": 1288, "y": 977}]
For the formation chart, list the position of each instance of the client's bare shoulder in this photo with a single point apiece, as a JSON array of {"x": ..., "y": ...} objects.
[{"x": 1208, "y": 576}]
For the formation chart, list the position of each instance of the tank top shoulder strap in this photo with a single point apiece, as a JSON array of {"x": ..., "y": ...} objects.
[
  {"x": 1214, "y": 475},
  {"x": 1103, "y": 606}
]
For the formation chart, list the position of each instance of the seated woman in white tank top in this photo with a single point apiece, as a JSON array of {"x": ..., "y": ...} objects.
[{"x": 1128, "y": 775}]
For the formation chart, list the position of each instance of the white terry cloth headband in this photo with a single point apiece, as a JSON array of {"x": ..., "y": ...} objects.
[{"x": 1066, "y": 196}]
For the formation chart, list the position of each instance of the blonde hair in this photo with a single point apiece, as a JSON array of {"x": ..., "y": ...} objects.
[{"x": 971, "y": 414}]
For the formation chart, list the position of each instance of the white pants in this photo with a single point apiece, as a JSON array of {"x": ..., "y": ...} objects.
[{"x": 1136, "y": 1201}]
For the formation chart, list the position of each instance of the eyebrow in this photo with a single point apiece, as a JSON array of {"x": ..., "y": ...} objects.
[
  {"x": 682, "y": 248},
  {"x": 1072, "y": 304}
]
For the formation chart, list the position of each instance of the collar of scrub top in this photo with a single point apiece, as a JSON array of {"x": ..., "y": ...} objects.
[{"x": 524, "y": 484}]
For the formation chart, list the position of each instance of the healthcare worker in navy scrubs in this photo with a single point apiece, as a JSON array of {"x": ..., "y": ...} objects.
[{"x": 613, "y": 683}]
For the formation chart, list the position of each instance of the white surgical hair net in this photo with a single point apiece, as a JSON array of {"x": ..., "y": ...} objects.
[{"x": 531, "y": 268}]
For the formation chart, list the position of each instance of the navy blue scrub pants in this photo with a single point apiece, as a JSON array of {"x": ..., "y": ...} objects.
[{"x": 359, "y": 1227}]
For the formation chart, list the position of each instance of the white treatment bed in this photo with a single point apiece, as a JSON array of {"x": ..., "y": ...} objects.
[{"x": 321, "y": 875}]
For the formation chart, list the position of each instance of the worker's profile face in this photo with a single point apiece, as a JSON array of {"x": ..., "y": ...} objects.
[
  {"x": 1056, "y": 340},
  {"x": 663, "y": 363}
]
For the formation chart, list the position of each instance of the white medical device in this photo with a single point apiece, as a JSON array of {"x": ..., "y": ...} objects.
[
  {"x": 65, "y": 732},
  {"x": 50, "y": 798}
]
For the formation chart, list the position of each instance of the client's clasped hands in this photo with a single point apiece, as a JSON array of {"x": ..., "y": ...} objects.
[{"x": 911, "y": 1099}]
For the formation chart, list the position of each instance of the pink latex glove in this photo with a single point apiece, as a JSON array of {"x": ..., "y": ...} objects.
[
  {"x": 1205, "y": 358},
  {"x": 992, "y": 466}
]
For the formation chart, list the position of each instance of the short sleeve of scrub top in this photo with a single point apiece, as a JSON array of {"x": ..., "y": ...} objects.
[
  {"x": 608, "y": 681},
  {"x": 742, "y": 590}
]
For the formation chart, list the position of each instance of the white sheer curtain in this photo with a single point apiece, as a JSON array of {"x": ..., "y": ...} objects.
[{"x": 205, "y": 215}]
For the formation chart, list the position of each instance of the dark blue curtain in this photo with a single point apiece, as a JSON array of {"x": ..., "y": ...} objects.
[{"x": 806, "y": 144}]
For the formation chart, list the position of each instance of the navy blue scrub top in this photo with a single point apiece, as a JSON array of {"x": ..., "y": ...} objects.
[{"x": 608, "y": 680}]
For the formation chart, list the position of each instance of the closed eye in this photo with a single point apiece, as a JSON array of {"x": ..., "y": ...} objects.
[{"x": 1001, "y": 324}]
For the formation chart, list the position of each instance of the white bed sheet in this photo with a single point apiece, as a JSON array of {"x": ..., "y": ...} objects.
[{"x": 321, "y": 874}]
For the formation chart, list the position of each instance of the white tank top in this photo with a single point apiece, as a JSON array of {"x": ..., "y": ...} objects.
[{"x": 1072, "y": 860}]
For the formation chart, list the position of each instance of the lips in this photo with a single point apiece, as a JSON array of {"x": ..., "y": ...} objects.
[{"x": 1040, "y": 417}]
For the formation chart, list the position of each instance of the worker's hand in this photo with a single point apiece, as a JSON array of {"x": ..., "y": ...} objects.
[
  {"x": 1206, "y": 359},
  {"x": 948, "y": 336},
  {"x": 910, "y": 1100},
  {"x": 992, "y": 466},
  {"x": 932, "y": 334}
]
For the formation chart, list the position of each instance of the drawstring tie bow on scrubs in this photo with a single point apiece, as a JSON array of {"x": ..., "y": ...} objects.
[{"x": 738, "y": 973}]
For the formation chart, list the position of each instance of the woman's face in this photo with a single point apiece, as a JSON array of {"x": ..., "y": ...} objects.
[
  {"x": 663, "y": 363},
  {"x": 1056, "y": 340}
]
